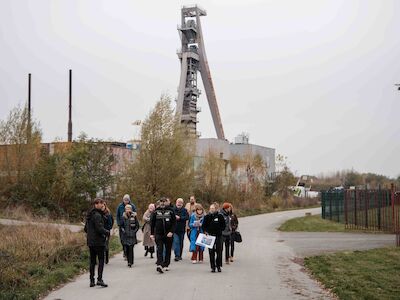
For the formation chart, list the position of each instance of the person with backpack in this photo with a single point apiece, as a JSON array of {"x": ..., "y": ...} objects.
[
  {"x": 96, "y": 240},
  {"x": 130, "y": 226},
  {"x": 163, "y": 223}
]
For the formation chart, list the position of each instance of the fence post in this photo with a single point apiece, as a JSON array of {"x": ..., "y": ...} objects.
[
  {"x": 346, "y": 220},
  {"x": 379, "y": 207},
  {"x": 355, "y": 208},
  {"x": 392, "y": 199},
  {"x": 366, "y": 203}
]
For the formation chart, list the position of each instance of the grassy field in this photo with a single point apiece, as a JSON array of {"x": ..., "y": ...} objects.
[
  {"x": 312, "y": 223},
  {"x": 36, "y": 259},
  {"x": 371, "y": 274}
]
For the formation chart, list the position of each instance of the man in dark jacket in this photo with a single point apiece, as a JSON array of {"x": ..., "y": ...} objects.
[
  {"x": 182, "y": 216},
  {"x": 96, "y": 240},
  {"x": 214, "y": 224},
  {"x": 163, "y": 223},
  {"x": 120, "y": 211}
]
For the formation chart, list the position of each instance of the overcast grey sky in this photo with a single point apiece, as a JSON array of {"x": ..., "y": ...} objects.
[{"x": 313, "y": 79}]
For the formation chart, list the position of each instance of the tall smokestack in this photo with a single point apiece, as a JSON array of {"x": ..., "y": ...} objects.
[
  {"x": 29, "y": 108},
  {"x": 70, "y": 108}
]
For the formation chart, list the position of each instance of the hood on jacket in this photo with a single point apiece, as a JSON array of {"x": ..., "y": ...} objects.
[{"x": 92, "y": 211}]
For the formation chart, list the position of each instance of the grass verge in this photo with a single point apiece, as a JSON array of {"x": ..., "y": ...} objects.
[
  {"x": 312, "y": 223},
  {"x": 37, "y": 259},
  {"x": 371, "y": 274}
]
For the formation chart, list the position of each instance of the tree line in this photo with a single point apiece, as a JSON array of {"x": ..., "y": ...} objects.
[{"x": 60, "y": 182}]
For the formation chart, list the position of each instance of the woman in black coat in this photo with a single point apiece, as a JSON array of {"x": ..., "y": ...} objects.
[
  {"x": 108, "y": 224},
  {"x": 214, "y": 224},
  {"x": 130, "y": 226},
  {"x": 234, "y": 227}
]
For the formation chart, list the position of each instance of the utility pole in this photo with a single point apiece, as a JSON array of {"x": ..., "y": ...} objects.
[
  {"x": 29, "y": 131},
  {"x": 70, "y": 108}
]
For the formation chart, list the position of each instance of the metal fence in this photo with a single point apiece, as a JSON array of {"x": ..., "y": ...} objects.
[{"x": 364, "y": 209}]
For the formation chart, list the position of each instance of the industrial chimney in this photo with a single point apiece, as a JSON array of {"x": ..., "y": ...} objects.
[{"x": 70, "y": 108}]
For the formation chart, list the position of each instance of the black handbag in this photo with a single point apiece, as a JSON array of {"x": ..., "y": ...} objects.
[{"x": 237, "y": 237}]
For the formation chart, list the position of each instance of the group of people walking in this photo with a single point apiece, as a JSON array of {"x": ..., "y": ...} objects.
[{"x": 165, "y": 228}]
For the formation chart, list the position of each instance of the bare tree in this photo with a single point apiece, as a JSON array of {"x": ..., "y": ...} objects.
[{"x": 164, "y": 165}]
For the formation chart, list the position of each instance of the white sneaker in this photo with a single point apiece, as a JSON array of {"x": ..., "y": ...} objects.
[
  {"x": 166, "y": 269},
  {"x": 194, "y": 261}
]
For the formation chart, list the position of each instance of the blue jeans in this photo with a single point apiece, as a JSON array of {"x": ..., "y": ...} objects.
[{"x": 178, "y": 243}]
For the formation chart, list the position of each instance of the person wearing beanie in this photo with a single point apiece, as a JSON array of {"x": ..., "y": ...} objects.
[
  {"x": 120, "y": 211},
  {"x": 96, "y": 240},
  {"x": 227, "y": 232},
  {"x": 214, "y": 224},
  {"x": 195, "y": 223},
  {"x": 129, "y": 226},
  {"x": 163, "y": 223}
]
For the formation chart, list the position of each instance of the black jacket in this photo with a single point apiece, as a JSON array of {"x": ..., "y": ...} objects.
[
  {"x": 214, "y": 224},
  {"x": 162, "y": 221},
  {"x": 181, "y": 223},
  {"x": 129, "y": 227},
  {"x": 94, "y": 227},
  {"x": 234, "y": 222},
  {"x": 227, "y": 218}
]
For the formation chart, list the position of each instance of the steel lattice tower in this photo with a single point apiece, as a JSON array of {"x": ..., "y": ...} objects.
[{"x": 194, "y": 60}]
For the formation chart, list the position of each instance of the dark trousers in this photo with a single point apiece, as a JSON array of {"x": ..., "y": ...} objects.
[
  {"x": 120, "y": 239},
  {"x": 232, "y": 246},
  {"x": 164, "y": 245},
  {"x": 96, "y": 252},
  {"x": 107, "y": 249},
  {"x": 216, "y": 251},
  {"x": 149, "y": 249},
  {"x": 227, "y": 242},
  {"x": 129, "y": 253}
]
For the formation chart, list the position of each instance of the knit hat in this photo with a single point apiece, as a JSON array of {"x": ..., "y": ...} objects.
[{"x": 126, "y": 197}]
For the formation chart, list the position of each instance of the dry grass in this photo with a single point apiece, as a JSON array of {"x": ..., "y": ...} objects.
[
  {"x": 29, "y": 252},
  {"x": 44, "y": 243},
  {"x": 22, "y": 213},
  {"x": 36, "y": 259}
]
